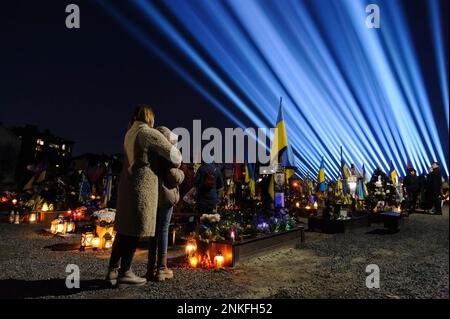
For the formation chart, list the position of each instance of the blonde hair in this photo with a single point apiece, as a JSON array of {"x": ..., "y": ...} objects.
[{"x": 143, "y": 113}]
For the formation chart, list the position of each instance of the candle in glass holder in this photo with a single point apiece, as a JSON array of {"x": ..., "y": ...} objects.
[
  {"x": 96, "y": 242},
  {"x": 193, "y": 261},
  {"x": 190, "y": 248},
  {"x": 218, "y": 261}
]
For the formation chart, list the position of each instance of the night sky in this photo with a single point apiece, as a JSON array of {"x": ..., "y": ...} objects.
[{"x": 83, "y": 84}]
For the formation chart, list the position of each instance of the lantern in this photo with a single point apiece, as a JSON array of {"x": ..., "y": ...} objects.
[
  {"x": 17, "y": 218},
  {"x": 58, "y": 226},
  {"x": 45, "y": 207},
  {"x": 102, "y": 230},
  {"x": 297, "y": 204},
  {"x": 70, "y": 227},
  {"x": 11, "y": 217},
  {"x": 218, "y": 261},
  {"x": 193, "y": 261},
  {"x": 86, "y": 239},
  {"x": 315, "y": 205},
  {"x": 107, "y": 241},
  {"x": 32, "y": 217},
  {"x": 61, "y": 228},
  {"x": 14, "y": 201},
  {"x": 96, "y": 242},
  {"x": 53, "y": 226}
]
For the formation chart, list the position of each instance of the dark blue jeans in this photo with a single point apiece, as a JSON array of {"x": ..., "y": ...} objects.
[{"x": 159, "y": 243}]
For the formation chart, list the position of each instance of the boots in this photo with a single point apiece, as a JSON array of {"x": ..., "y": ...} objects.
[
  {"x": 151, "y": 268},
  {"x": 112, "y": 275},
  {"x": 128, "y": 278},
  {"x": 163, "y": 272}
]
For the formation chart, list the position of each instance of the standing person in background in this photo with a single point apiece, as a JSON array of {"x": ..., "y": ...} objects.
[
  {"x": 434, "y": 180},
  {"x": 168, "y": 196},
  {"x": 411, "y": 185},
  {"x": 188, "y": 181},
  {"x": 209, "y": 184},
  {"x": 137, "y": 200}
]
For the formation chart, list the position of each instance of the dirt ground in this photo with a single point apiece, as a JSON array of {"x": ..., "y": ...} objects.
[{"x": 413, "y": 263}]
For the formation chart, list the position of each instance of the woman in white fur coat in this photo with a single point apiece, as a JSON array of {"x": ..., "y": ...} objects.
[{"x": 137, "y": 200}]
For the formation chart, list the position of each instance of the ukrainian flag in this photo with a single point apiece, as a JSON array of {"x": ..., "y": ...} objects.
[
  {"x": 364, "y": 180},
  {"x": 345, "y": 172},
  {"x": 361, "y": 191},
  {"x": 281, "y": 150},
  {"x": 321, "y": 186},
  {"x": 339, "y": 187},
  {"x": 393, "y": 173},
  {"x": 250, "y": 178}
]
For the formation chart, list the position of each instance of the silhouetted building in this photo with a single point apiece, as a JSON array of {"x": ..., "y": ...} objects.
[
  {"x": 42, "y": 147},
  {"x": 10, "y": 146}
]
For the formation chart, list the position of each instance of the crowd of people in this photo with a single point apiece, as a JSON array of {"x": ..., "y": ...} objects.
[{"x": 428, "y": 187}]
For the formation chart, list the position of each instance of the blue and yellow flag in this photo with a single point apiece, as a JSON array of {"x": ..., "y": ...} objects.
[
  {"x": 345, "y": 172},
  {"x": 393, "y": 173},
  {"x": 364, "y": 180},
  {"x": 339, "y": 187},
  {"x": 250, "y": 178},
  {"x": 281, "y": 151},
  {"x": 361, "y": 193},
  {"x": 321, "y": 186}
]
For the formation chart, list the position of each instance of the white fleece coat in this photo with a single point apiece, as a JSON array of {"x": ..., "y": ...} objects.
[{"x": 137, "y": 200}]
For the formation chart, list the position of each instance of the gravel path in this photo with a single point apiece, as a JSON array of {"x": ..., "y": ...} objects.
[{"x": 414, "y": 263}]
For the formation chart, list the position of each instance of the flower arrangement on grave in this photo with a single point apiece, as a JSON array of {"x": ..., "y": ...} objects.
[
  {"x": 209, "y": 229},
  {"x": 382, "y": 194}
]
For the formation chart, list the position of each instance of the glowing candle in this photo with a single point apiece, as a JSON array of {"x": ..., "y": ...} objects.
[
  {"x": 193, "y": 261},
  {"x": 32, "y": 217},
  {"x": 96, "y": 242},
  {"x": 190, "y": 248},
  {"x": 219, "y": 261}
]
